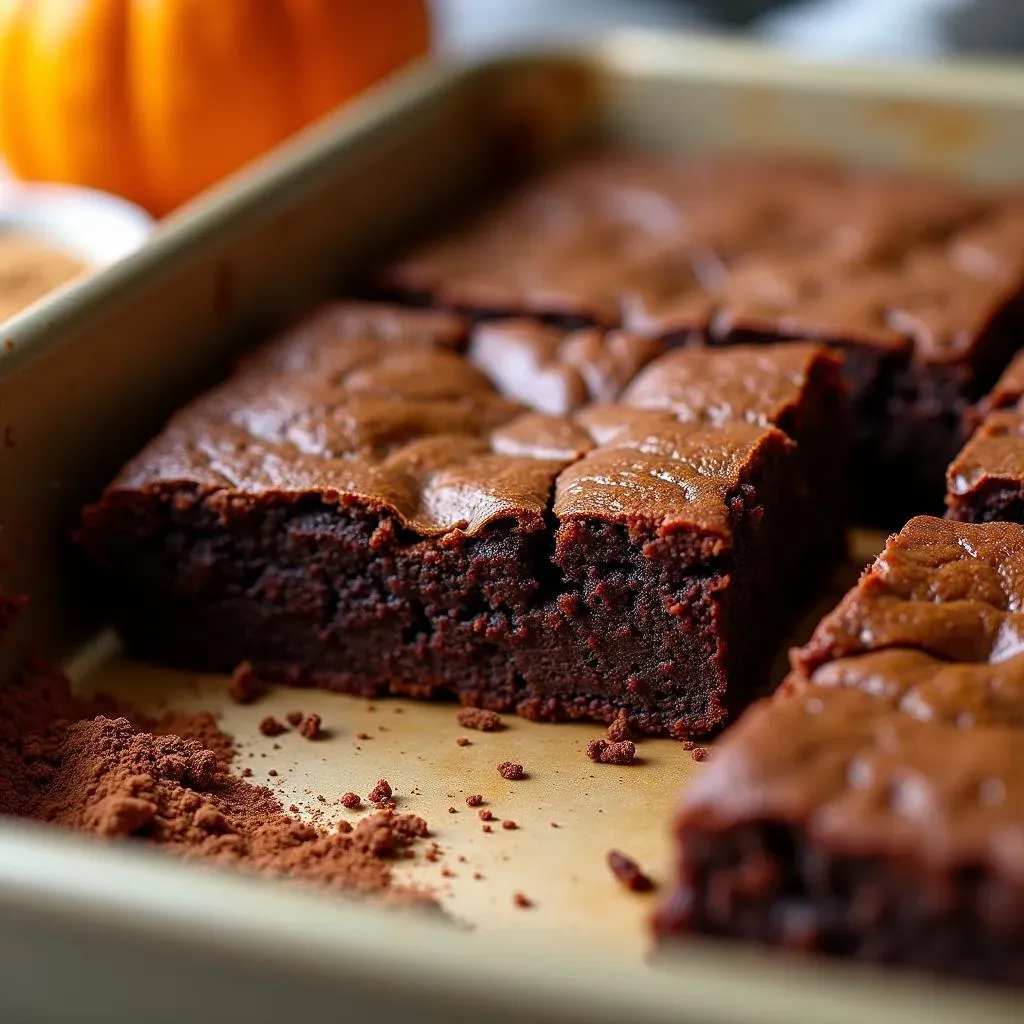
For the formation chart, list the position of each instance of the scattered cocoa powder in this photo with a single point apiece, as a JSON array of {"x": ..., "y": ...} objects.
[
  {"x": 311, "y": 727},
  {"x": 381, "y": 792},
  {"x": 618, "y": 729},
  {"x": 605, "y": 752},
  {"x": 270, "y": 726},
  {"x": 474, "y": 799},
  {"x": 64, "y": 761},
  {"x": 522, "y": 901},
  {"x": 628, "y": 872},
  {"x": 294, "y": 718},
  {"x": 244, "y": 688},
  {"x": 462, "y": 741},
  {"x": 511, "y": 771},
  {"x": 699, "y": 753},
  {"x": 480, "y": 719}
]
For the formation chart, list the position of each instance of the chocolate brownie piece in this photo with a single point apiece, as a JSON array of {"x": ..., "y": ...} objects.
[
  {"x": 985, "y": 482},
  {"x": 373, "y": 516},
  {"x": 920, "y": 282},
  {"x": 874, "y": 808}
]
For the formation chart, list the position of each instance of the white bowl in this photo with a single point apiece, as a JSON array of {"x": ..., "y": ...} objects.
[{"x": 97, "y": 227}]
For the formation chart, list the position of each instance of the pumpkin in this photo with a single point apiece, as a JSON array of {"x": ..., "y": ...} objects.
[{"x": 157, "y": 99}]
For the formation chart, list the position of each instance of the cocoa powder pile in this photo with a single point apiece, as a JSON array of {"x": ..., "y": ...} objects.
[{"x": 82, "y": 764}]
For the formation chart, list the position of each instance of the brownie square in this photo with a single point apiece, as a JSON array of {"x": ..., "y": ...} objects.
[
  {"x": 369, "y": 514},
  {"x": 874, "y": 808},
  {"x": 985, "y": 482},
  {"x": 919, "y": 282}
]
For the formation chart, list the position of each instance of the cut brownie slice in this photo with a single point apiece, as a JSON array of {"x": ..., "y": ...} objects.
[
  {"x": 985, "y": 482},
  {"x": 919, "y": 282},
  {"x": 875, "y": 807},
  {"x": 357, "y": 513}
]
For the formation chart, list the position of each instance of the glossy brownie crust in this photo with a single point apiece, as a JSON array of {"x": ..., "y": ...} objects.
[
  {"x": 919, "y": 282},
  {"x": 875, "y": 807},
  {"x": 360, "y": 507}
]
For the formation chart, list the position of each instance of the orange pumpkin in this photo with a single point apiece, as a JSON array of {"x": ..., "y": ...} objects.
[{"x": 157, "y": 99}]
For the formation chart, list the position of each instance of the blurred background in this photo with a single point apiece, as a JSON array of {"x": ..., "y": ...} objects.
[
  {"x": 115, "y": 113},
  {"x": 910, "y": 29}
]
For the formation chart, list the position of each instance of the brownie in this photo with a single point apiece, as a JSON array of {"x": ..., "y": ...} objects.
[
  {"x": 918, "y": 281},
  {"x": 874, "y": 808},
  {"x": 985, "y": 482},
  {"x": 354, "y": 511}
]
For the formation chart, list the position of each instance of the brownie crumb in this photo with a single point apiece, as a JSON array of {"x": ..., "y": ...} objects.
[
  {"x": 310, "y": 728},
  {"x": 453, "y": 810},
  {"x": 699, "y": 753},
  {"x": 521, "y": 901},
  {"x": 478, "y": 876},
  {"x": 462, "y": 741},
  {"x": 273, "y": 772},
  {"x": 486, "y": 828},
  {"x": 344, "y": 826},
  {"x": 554, "y": 824},
  {"x": 363, "y": 736},
  {"x": 244, "y": 687},
  {"x": 485, "y": 815},
  {"x": 509, "y": 824},
  {"x": 246, "y": 773},
  {"x": 688, "y": 744},
  {"x": 381, "y": 792},
  {"x": 294, "y": 718},
  {"x": 604, "y": 752},
  {"x": 351, "y": 801},
  {"x": 511, "y": 771},
  {"x": 478, "y": 718},
  {"x": 270, "y": 726},
  {"x": 618, "y": 730},
  {"x": 628, "y": 872},
  {"x": 474, "y": 799},
  {"x": 386, "y": 805}
]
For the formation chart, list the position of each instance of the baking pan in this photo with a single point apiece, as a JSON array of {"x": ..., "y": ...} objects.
[{"x": 121, "y": 933}]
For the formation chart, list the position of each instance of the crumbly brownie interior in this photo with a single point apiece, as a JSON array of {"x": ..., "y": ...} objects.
[{"x": 359, "y": 508}]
